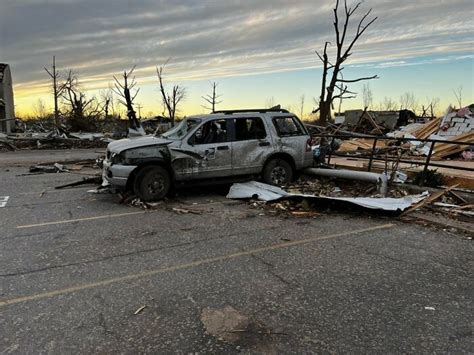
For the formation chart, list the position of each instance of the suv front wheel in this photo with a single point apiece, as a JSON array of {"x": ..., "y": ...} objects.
[
  {"x": 277, "y": 172},
  {"x": 152, "y": 183}
]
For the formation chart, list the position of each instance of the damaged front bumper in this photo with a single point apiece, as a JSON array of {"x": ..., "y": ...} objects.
[{"x": 116, "y": 175}]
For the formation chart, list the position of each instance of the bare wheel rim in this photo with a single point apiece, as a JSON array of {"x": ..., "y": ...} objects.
[
  {"x": 278, "y": 175},
  {"x": 156, "y": 184}
]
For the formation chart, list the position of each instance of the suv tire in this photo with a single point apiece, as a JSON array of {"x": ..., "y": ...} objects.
[
  {"x": 277, "y": 172},
  {"x": 152, "y": 183}
]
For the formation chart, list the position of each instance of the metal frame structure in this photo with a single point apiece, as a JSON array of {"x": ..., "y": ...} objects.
[{"x": 425, "y": 162}]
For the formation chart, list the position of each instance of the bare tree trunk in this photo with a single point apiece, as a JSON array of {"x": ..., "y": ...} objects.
[
  {"x": 458, "y": 95},
  {"x": 170, "y": 101},
  {"x": 333, "y": 68},
  {"x": 56, "y": 92},
  {"x": 124, "y": 91},
  {"x": 212, "y": 99},
  {"x": 302, "y": 106},
  {"x": 106, "y": 108}
]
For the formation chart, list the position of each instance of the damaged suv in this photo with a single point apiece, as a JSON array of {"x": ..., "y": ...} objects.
[{"x": 273, "y": 144}]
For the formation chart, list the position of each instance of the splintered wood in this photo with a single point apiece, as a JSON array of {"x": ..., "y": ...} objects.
[
  {"x": 429, "y": 199},
  {"x": 360, "y": 143},
  {"x": 443, "y": 150},
  {"x": 428, "y": 129}
]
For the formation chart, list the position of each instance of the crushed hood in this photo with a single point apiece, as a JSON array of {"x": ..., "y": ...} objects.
[{"x": 127, "y": 143}]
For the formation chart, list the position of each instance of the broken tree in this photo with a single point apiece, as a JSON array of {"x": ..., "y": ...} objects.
[
  {"x": 334, "y": 68},
  {"x": 124, "y": 90},
  {"x": 78, "y": 105},
  {"x": 57, "y": 91},
  {"x": 171, "y": 99}
]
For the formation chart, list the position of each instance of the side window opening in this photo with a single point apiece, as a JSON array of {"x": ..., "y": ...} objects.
[
  {"x": 211, "y": 132},
  {"x": 288, "y": 126},
  {"x": 249, "y": 128}
]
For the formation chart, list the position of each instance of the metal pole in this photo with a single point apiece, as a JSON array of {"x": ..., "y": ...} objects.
[
  {"x": 428, "y": 158},
  {"x": 372, "y": 154},
  {"x": 330, "y": 149}
]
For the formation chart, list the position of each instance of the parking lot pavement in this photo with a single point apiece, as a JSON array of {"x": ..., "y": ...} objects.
[
  {"x": 29, "y": 157},
  {"x": 82, "y": 273}
]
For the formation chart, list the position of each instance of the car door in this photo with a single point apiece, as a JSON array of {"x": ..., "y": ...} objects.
[
  {"x": 212, "y": 142},
  {"x": 293, "y": 139},
  {"x": 251, "y": 147}
]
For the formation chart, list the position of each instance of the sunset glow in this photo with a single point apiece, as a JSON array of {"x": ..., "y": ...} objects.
[{"x": 255, "y": 50}]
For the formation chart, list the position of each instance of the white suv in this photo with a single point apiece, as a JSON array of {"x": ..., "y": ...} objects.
[{"x": 271, "y": 143}]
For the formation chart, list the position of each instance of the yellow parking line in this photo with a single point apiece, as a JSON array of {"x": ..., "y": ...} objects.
[
  {"x": 185, "y": 266},
  {"x": 80, "y": 219}
]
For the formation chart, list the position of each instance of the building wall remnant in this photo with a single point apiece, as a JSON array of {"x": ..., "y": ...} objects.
[
  {"x": 457, "y": 122},
  {"x": 7, "y": 106}
]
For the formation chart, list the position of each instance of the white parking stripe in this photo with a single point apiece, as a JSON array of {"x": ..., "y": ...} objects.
[
  {"x": 190, "y": 265},
  {"x": 4, "y": 200}
]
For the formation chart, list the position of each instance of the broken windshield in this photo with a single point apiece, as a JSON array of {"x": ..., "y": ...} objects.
[{"x": 183, "y": 128}]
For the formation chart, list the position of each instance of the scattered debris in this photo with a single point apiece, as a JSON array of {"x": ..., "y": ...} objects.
[
  {"x": 457, "y": 122},
  {"x": 268, "y": 193},
  {"x": 443, "y": 150},
  {"x": 430, "y": 199},
  {"x": 135, "y": 201},
  {"x": 185, "y": 211},
  {"x": 97, "y": 180},
  {"x": 430, "y": 178},
  {"x": 426, "y": 130},
  {"x": 139, "y": 310},
  {"x": 305, "y": 214},
  {"x": 87, "y": 136},
  {"x": 55, "y": 168},
  {"x": 379, "y": 179},
  {"x": 407, "y": 145}
]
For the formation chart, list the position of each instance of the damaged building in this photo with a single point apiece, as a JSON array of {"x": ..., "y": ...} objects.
[{"x": 7, "y": 108}]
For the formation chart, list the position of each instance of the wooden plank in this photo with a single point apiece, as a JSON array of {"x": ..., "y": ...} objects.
[{"x": 429, "y": 199}]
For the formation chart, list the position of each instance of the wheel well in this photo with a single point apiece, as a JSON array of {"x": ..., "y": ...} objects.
[
  {"x": 134, "y": 173},
  {"x": 283, "y": 156}
]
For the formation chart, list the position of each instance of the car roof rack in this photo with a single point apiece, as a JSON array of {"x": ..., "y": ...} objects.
[{"x": 253, "y": 110}]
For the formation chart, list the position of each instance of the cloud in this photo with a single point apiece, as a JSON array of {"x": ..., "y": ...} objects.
[{"x": 212, "y": 39}]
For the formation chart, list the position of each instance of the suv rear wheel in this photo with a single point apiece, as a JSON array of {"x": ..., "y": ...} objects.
[
  {"x": 277, "y": 172},
  {"x": 152, "y": 183}
]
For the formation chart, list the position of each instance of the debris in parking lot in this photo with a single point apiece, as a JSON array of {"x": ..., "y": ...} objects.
[
  {"x": 135, "y": 201},
  {"x": 85, "y": 181},
  {"x": 99, "y": 190},
  {"x": 55, "y": 168},
  {"x": 466, "y": 210},
  {"x": 139, "y": 310},
  {"x": 270, "y": 193},
  {"x": 185, "y": 211},
  {"x": 429, "y": 200}
]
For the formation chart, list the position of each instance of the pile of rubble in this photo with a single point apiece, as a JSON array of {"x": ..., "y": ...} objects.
[
  {"x": 440, "y": 139},
  {"x": 45, "y": 134},
  {"x": 312, "y": 198}
]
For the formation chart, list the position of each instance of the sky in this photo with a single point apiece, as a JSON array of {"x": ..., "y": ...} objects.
[{"x": 258, "y": 51}]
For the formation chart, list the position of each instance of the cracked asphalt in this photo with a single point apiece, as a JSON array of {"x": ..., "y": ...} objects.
[{"x": 76, "y": 267}]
